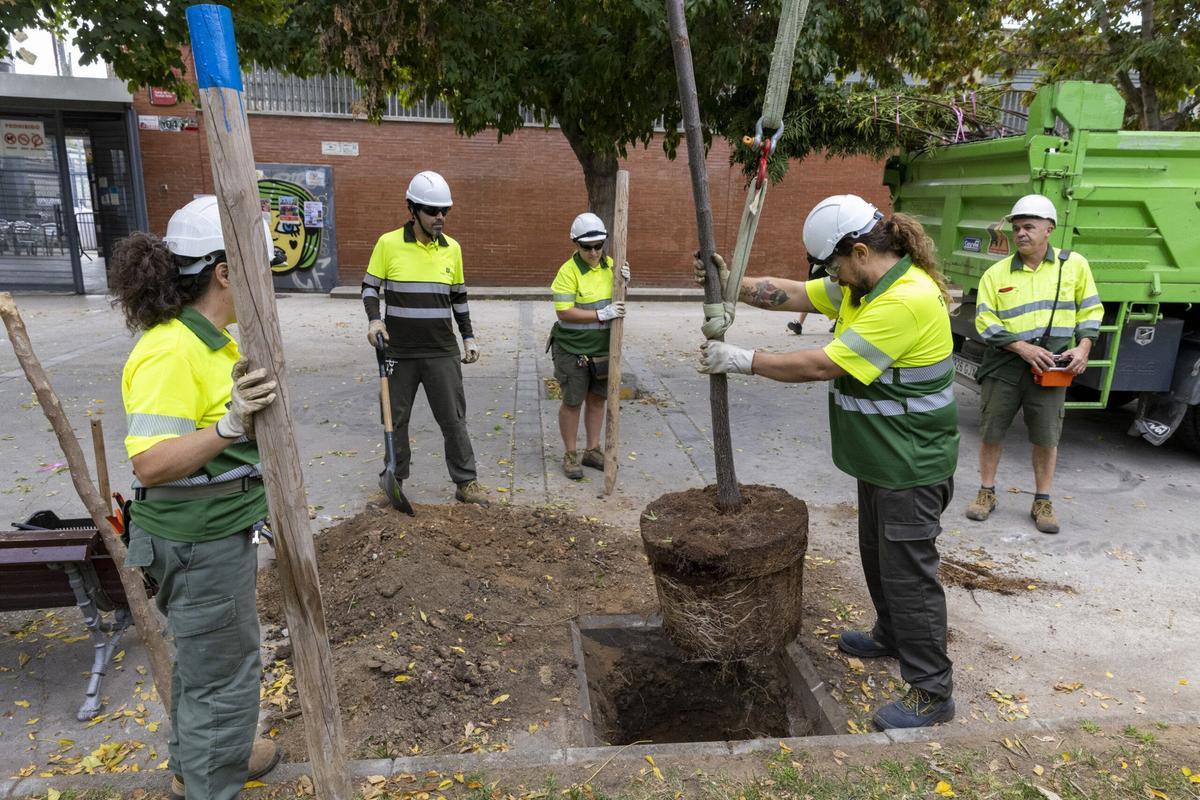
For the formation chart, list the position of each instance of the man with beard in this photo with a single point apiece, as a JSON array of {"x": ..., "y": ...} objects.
[
  {"x": 893, "y": 423},
  {"x": 419, "y": 272}
]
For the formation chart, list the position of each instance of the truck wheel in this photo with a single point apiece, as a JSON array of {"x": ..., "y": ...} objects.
[{"x": 1188, "y": 431}]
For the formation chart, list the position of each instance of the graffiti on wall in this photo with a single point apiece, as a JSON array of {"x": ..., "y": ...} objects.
[{"x": 299, "y": 201}]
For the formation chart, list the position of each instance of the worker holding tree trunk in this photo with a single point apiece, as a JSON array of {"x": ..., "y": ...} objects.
[
  {"x": 418, "y": 270},
  {"x": 892, "y": 418},
  {"x": 190, "y": 401},
  {"x": 584, "y": 306}
]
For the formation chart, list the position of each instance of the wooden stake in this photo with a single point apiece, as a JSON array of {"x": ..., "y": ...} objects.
[
  {"x": 101, "y": 461},
  {"x": 729, "y": 496},
  {"x": 612, "y": 413},
  {"x": 145, "y": 619},
  {"x": 219, "y": 77}
]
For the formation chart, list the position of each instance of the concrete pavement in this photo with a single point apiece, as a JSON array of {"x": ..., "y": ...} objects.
[{"x": 1128, "y": 510}]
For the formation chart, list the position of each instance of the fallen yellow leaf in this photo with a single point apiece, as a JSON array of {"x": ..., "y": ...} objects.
[
  {"x": 402, "y": 678},
  {"x": 1038, "y": 770},
  {"x": 53, "y": 794},
  {"x": 1183, "y": 681},
  {"x": 498, "y": 700},
  {"x": 252, "y": 784},
  {"x": 855, "y": 664},
  {"x": 943, "y": 788},
  {"x": 22, "y": 703}
]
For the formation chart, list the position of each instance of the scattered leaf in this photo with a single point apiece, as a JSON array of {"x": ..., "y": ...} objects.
[
  {"x": 943, "y": 788},
  {"x": 498, "y": 700}
]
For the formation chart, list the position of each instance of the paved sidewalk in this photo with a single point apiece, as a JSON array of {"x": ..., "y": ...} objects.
[{"x": 1128, "y": 510}]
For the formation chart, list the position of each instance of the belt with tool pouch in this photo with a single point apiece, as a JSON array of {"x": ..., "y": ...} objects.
[{"x": 201, "y": 491}]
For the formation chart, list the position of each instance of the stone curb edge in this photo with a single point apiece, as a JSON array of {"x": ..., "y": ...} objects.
[{"x": 581, "y": 756}]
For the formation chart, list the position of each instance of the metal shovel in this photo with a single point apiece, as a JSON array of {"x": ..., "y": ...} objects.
[{"x": 389, "y": 482}]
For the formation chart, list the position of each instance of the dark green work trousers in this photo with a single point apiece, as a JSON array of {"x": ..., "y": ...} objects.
[
  {"x": 442, "y": 378},
  {"x": 206, "y": 589},
  {"x": 897, "y": 539}
]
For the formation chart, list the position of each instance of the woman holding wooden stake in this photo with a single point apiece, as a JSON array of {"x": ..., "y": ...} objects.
[
  {"x": 190, "y": 401},
  {"x": 583, "y": 302}
]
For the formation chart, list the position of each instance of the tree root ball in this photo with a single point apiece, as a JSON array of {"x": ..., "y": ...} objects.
[{"x": 730, "y": 585}]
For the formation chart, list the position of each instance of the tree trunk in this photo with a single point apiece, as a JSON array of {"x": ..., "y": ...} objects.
[
  {"x": 1151, "y": 116},
  {"x": 599, "y": 176}
]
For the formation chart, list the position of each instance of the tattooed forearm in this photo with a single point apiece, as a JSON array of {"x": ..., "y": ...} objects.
[{"x": 763, "y": 294}]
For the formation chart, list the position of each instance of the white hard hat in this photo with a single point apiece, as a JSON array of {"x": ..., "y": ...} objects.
[
  {"x": 588, "y": 227},
  {"x": 1034, "y": 205},
  {"x": 429, "y": 189},
  {"x": 194, "y": 235},
  {"x": 833, "y": 219}
]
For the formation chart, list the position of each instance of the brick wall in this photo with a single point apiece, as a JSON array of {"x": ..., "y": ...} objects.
[{"x": 513, "y": 200}]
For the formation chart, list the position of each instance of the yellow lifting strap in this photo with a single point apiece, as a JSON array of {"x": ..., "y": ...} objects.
[{"x": 719, "y": 316}]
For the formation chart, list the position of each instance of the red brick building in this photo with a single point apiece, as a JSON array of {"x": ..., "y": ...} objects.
[{"x": 513, "y": 200}]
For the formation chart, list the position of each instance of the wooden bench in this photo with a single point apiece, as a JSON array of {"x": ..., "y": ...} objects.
[{"x": 47, "y": 562}]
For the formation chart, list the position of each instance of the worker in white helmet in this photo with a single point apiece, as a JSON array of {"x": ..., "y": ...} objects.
[
  {"x": 1028, "y": 309},
  {"x": 418, "y": 271},
  {"x": 190, "y": 401},
  {"x": 579, "y": 341},
  {"x": 893, "y": 423}
]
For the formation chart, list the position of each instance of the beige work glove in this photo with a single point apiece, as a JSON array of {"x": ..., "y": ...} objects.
[
  {"x": 251, "y": 393},
  {"x": 700, "y": 273},
  {"x": 718, "y": 358},
  {"x": 610, "y": 312},
  {"x": 374, "y": 328},
  {"x": 472, "y": 351}
]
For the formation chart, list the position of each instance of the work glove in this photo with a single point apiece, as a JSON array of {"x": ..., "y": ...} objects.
[
  {"x": 472, "y": 351},
  {"x": 376, "y": 327},
  {"x": 698, "y": 269},
  {"x": 625, "y": 272},
  {"x": 610, "y": 312},
  {"x": 719, "y": 357},
  {"x": 251, "y": 393}
]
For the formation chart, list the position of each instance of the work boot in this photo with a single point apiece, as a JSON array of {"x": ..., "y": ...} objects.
[
  {"x": 472, "y": 492},
  {"x": 571, "y": 466},
  {"x": 917, "y": 709},
  {"x": 983, "y": 505},
  {"x": 863, "y": 645},
  {"x": 1044, "y": 517},
  {"x": 594, "y": 458},
  {"x": 264, "y": 755},
  {"x": 796, "y": 328}
]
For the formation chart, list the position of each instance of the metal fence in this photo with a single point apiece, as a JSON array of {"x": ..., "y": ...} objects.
[{"x": 271, "y": 92}]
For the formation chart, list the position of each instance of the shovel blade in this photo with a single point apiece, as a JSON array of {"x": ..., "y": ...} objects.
[{"x": 391, "y": 487}]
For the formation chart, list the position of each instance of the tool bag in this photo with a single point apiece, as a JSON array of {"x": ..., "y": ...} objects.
[{"x": 1053, "y": 377}]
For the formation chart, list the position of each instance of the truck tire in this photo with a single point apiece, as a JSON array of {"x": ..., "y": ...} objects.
[{"x": 1188, "y": 432}]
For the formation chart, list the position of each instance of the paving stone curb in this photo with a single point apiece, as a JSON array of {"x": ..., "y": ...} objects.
[
  {"x": 663, "y": 754},
  {"x": 635, "y": 294}
]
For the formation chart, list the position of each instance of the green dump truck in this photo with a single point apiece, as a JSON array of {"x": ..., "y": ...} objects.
[{"x": 1129, "y": 201}]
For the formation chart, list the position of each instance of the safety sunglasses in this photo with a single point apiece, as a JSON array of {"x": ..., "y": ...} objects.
[
  {"x": 593, "y": 246},
  {"x": 433, "y": 211}
]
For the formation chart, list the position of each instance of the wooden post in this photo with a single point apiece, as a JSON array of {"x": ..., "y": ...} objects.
[
  {"x": 219, "y": 77},
  {"x": 101, "y": 462},
  {"x": 612, "y": 413},
  {"x": 729, "y": 496},
  {"x": 144, "y": 617}
]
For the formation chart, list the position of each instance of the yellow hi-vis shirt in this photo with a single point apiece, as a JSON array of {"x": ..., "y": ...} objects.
[
  {"x": 1015, "y": 302},
  {"x": 176, "y": 381},
  {"x": 579, "y": 286},
  {"x": 893, "y": 421}
]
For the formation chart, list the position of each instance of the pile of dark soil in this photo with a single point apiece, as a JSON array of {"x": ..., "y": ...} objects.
[{"x": 451, "y": 629}]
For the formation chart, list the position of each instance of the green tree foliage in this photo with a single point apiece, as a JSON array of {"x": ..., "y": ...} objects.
[
  {"x": 1149, "y": 49},
  {"x": 602, "y": 69}
]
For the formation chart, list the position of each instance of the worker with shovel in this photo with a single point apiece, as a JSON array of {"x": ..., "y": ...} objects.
[
  {"x": 190, "y": 401},
  {"x": 892, "y": 418},
  {"x": 418, "y": 270},
  {"x": 584, "y": 306}
]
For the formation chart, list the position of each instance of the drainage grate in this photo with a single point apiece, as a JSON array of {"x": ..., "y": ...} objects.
[{"x": 635, "y": 685}]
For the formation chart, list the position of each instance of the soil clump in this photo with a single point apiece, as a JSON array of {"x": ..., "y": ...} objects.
[
  {"x": 981, "y": 576},
  {"x": 729, "y": 584}
]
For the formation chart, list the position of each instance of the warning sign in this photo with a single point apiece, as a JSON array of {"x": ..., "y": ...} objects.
[{"x": 24, "y": 138}]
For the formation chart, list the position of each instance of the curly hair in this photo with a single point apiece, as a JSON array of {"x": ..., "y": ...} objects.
[
  {"x": 145, "y": 282},
  {"x": 904, "y": 235}
]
